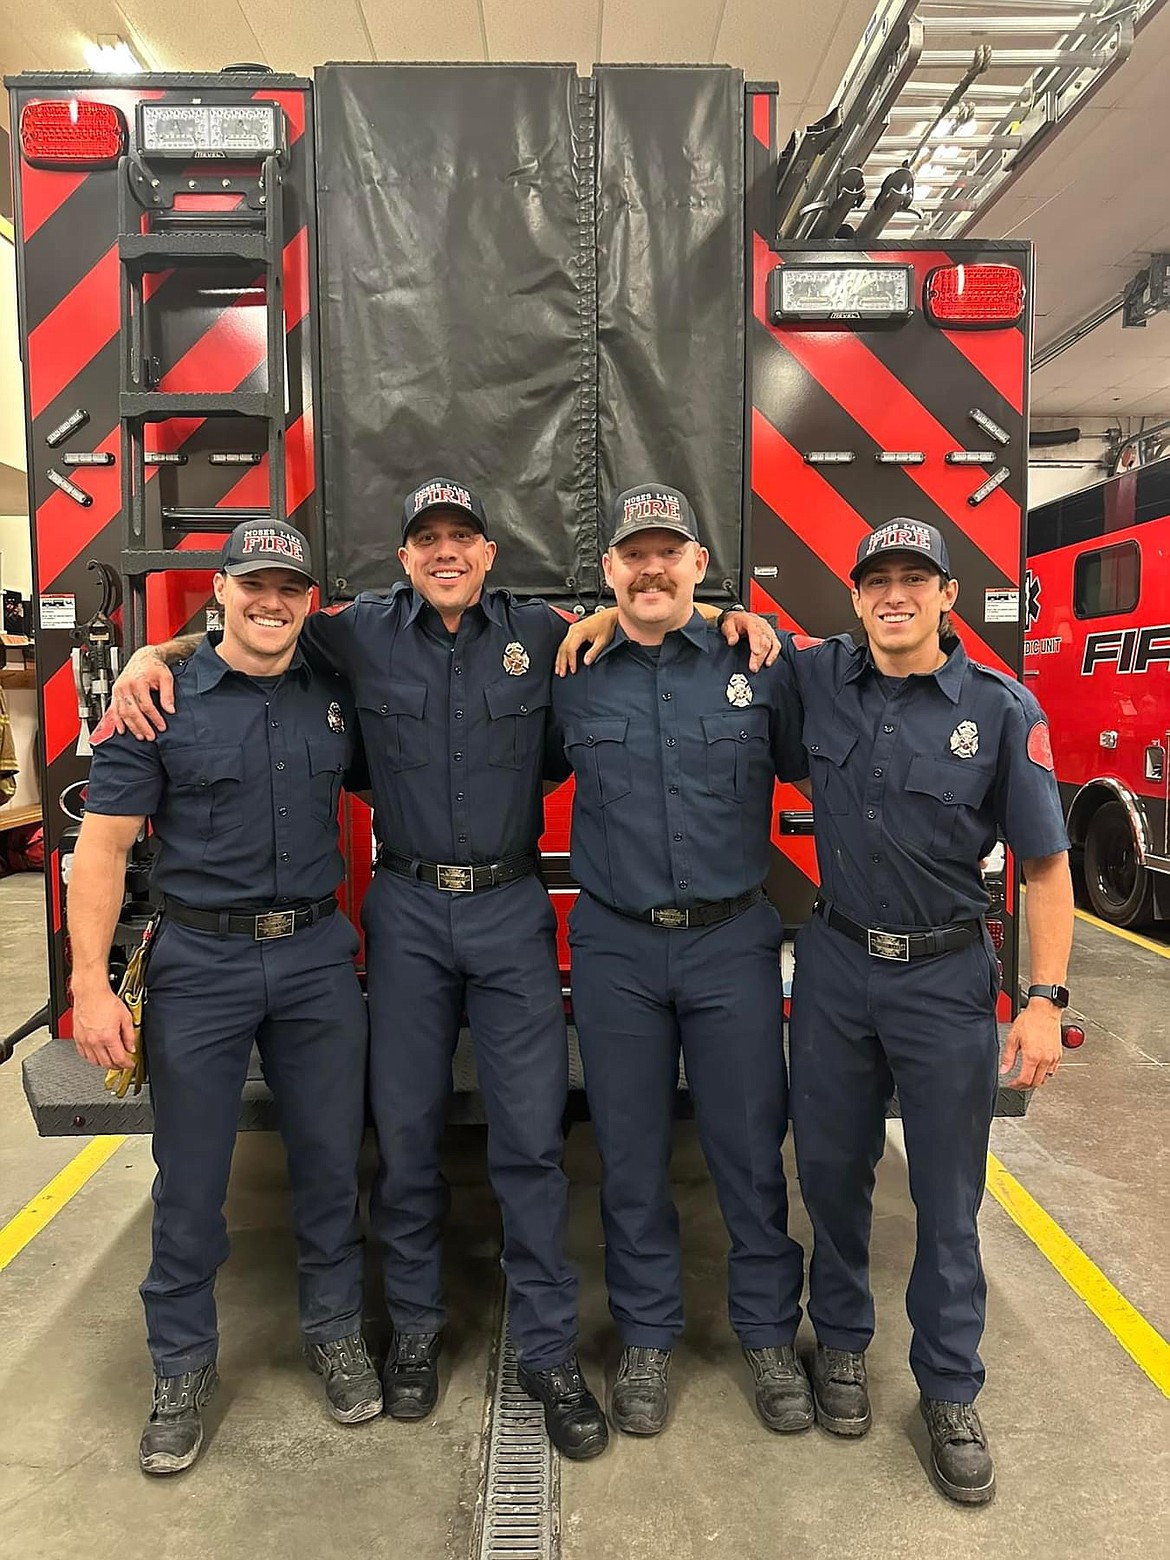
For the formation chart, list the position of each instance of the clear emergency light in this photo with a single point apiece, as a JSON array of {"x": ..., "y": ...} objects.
[
  {"x": 974, "y": 297},
  {"x": 71, "y": 133},
  {"x": 861, "y": 292},
  {"x": 244, "y": 132}
]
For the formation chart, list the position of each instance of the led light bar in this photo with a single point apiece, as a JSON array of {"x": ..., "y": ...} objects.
[
  {"x": 61, "y": 432},
  {"x": 88, "y": 458},
  {"x": 862, "y": 292},
  {"x": 970, "y": 457},
  {"x": 164, "y": 458},
  {"x": 986, "y": 489},
  {"x": 234, "y": 458},
  {"x": 70, "y": 489},
  {"x": 829, "y": 457},
  {"x": 900, "y": 457},
  {"x": 981, "y": 419},
  {"x": 242, "y": 132}
]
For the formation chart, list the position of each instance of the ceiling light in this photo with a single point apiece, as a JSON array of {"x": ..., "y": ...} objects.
[{"x": 111, "y": 56}]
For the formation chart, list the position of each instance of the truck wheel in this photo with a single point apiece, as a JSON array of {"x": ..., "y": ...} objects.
[{"x": 1120, "y": 890}]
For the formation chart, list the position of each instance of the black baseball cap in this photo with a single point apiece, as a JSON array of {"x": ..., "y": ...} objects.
[
  {"x": 442, "y": 493},
  {"x": 903, "y": 536},
  {"x": 652, "y": 507},
  {"x": 265, "y": 544}
]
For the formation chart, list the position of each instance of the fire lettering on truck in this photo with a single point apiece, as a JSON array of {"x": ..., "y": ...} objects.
[{"x": 1129, "y": 650}]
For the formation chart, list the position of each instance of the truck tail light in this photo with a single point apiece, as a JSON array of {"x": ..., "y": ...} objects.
[
  {"x": 995, "y": 928},
  {"x": 71, "y": 133},
  {"x": 974, "y": 296},
  {"x": 1072, "y": 1035}
]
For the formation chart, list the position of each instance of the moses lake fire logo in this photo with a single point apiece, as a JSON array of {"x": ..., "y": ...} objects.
[
  {"x": 965, "y": 739},
  {"x": 516, "y": 661},
  {"x": 739, "y": 691}
]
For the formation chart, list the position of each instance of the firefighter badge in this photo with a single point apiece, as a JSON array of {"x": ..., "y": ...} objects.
[
  {"x": 335, "y": 718},
  {"x": 965, "y": 739},
  {"x": 516, "y": 661},
  {"x": 739, "y": 691}
]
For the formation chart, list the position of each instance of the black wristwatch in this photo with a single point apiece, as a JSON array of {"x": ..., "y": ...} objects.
[{"x": 1058, "y": 995}]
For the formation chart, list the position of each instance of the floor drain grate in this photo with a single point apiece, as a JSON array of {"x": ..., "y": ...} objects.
[{"x": 521, "y": 1500}]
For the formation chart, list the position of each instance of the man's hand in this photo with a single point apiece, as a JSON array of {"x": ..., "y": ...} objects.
[
  {"x": 133, "y": 708},
  {"x": 103, "y": 1030},
  {"x": 1033, "y": 1041},
  {"x": 760, "y": 635},
  {"x": 595, "y": 632}
]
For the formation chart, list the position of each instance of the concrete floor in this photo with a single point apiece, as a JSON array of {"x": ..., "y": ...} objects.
[{"x": 1082, "y": 1437}]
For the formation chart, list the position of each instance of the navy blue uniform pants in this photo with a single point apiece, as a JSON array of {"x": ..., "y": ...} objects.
[
  {"x": 431, "y": 957},
  {"x": 861, "y": 1027},
  {"x": 642, "y": 994},
  {"x": 209, "y": 999}
]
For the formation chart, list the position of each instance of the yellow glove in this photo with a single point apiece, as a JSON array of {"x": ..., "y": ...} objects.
[{"x": 132, "y": 991}]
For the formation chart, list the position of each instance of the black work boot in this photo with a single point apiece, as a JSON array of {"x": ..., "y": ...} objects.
[
  {"x": 572, "y": 1415},
  {"x": 173, "y": 1434},
  {"x": 839, "y": 1387},
  {"x": 783, "y": 1396},
  {"x": 959, "y": 1458},
  {"x": 352, "y": 1389},
  {"x": 639, "y": 1404},
  {"x": 410, "y": 1378}
]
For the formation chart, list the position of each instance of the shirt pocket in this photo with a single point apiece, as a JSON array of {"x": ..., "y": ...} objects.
[
  {"x": 828, "y": 750},
  {"x": 393, "y": 723},
  {"x": 328, "y": 757},
  {"x": 516, "y": 723},
  {"x": 209, "y": 787},
  {"x": 942, "y": 802},
  {"x": 735, "y": 740},
  {"x": 600, "y": 759}
]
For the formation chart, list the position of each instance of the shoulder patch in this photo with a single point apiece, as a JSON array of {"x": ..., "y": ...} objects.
[
  {"x": 1040, "y": 745},
  {"x": 104, "y": 728},
  {"x": 335, "y": 607},
  {"x": 805, "y": 642}
]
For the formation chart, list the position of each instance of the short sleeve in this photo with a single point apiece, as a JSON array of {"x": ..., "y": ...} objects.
[
  {"x": 327, "y": 638},
  {"x": 786, "y": 722},
  {"x": 1027, "y": 800},
  {"x": 126, "y": 776}
]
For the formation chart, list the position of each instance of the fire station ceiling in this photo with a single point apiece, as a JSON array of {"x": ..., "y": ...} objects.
[{"x": 1092, "y": 200}]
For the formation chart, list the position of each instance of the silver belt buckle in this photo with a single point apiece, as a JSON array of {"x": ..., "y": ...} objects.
[
  {"x": 670, "y": 917},
  {"x": 888, "y": 945},
  {"x": 275, "y": 923},
  {"x": 456, "y": 880}
]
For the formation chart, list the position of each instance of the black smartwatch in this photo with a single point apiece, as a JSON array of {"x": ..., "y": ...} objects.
[{"x": 1058, "y": 995}]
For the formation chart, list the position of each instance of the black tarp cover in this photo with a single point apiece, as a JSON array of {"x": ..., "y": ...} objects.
[{"x": 533, "y": 284}]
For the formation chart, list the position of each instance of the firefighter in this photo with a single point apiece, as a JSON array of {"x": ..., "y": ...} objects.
[
  {"x": 452, "y": 682},
  {"x": 918, "y": 756},
  {"x": 675, "y": 743},
  {"x": 242, "y": 793}
]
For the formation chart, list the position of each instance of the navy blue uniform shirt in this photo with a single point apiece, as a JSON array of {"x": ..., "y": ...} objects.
[
  {"x": 453, "y": 724},
  {"x": 243, "y": 785},
  {"x": 912, "y": 777},
  {"x": 675, "y": 755}
]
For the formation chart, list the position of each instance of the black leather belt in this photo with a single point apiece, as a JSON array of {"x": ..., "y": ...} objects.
[
  {"x": 902, "y": 946},
  {"x": 456, "y": 878},
  {"x": 696, "y": 915},
  {"x": 262, "y": 925}
]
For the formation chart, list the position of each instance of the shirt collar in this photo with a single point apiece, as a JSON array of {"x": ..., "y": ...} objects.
[
  {"x": 695, "y": 630},
  {"x": 948, "y": 676},
  {"x": 492, "y": 602},
  {"x": 210, "y": 668}
]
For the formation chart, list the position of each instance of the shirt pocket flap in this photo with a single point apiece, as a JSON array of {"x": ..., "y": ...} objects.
[
  {"x": 949, "y": 783},
  {"x": 512, "y": 698},
  {"x": 827, "y": 742},
  {"x": 327, "y": 755},
  {"x": 397, "y": 698},
  {"x": 735, "y": 725},
  {"x": 200, "y": 766},
  {"x": 588, "y": 732}
]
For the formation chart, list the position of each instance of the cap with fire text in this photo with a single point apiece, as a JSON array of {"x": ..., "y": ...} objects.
[
  {"x": 652, "y": 508},
  {"x": 265, "y": 544},
  {"x": 903, "y": 536},
  {"x": 442, "y": 493}
]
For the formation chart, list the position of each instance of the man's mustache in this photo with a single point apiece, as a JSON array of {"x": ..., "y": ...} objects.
[{"x": 660, "y": 582}]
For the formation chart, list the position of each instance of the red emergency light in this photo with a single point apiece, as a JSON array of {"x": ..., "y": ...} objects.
[
  {"x": 997, "y": 934},
  {"x": 974, "y": 297},
  {"x": 71, "y": 133}
]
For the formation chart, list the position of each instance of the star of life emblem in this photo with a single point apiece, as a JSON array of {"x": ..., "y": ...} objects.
[
  {"x": 335, "y": 718},
  {"x": 516, "y": 661},
  {"x": 739, "y": 691},
  {"x": 965, "y": 739}
]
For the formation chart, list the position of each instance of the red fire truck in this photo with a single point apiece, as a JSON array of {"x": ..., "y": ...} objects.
[
  {"x": 244, "y": 294},
  {"x": 1097, "y": 655}
]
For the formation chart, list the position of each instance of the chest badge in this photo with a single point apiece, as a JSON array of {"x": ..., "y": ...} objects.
[
  {"x": 739, "y": 691},
  {"x": 516, "y": 661},
  {"x": 335, "y": 718},
  {"x": 965, "y": 739}
]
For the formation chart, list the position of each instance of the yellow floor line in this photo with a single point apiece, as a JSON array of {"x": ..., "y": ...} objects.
[
  {"x": 6, "y": 230},
  {"x": 1119, "y": 931},
  {"x": 1143, "y": 1343},
  {"x": 47, "y": 1204}
]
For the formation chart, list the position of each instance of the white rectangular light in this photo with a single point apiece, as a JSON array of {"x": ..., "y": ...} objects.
[{"x": 849, "y": 291}]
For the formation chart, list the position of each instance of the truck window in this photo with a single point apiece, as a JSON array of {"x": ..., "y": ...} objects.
[{"x": 1107, "y": 581}]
